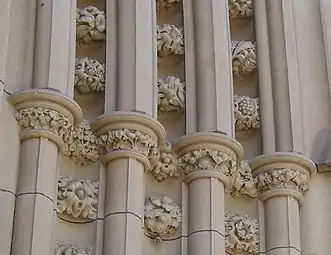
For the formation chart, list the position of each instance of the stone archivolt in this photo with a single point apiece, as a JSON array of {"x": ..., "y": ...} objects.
[
  {"x": 241, "y": 234},
  {"x": 243, "y": 58},
  {"x": 89, "y": 75},
  {"x": 90, "y": 25},
  {"x": 246, "y": 113},
  {"x": 77, "y": 198},
  {"x": 170, "y": 40},
  {"x": 165, "y": 165},
  {"x": 162, "y": 217},
  {"x": 171, "y": 94},
  {"x": 239, "y": 9},
  {"x": 68, "y": 249}
]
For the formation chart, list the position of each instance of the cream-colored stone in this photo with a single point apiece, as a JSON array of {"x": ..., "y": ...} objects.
[{"x": 68, "y": 249}]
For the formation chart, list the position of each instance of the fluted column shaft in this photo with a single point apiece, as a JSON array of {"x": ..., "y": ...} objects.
[{"x": 281, "y": 179}]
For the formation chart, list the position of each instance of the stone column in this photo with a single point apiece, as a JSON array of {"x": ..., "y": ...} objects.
[
  {"x": 46, "y": 119},
  {"x": 128, "y": 131},
  {"x": 282, "y": 179}
]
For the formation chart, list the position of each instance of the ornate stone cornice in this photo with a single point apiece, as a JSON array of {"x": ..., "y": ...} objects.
[
  {"x": 162, "y": 217},
  {"x": 90, "y": 25},
  {"x": 171, "y": 94},
  {"x": 243, "y": 58},
  {"x": 69, "y": 249},
  {"x": 77, "y": 198},
  {"x": 89, "y": 75},
  {"x": 282, "y": 174},
  {"x": 241, "y": 234},
  {"x": 239, "y": 9},
  {"x": 246, "y": 112},
  {"x": 170, "y": 40},
  {"x": 165, "y": 165}
]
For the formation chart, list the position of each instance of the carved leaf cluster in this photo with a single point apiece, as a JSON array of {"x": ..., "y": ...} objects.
[
  {"x": 239, "y": 9},
  {"x": 246, "y": 112},
  {"x": 171, "y": 94},
  {"x": 77, "y": 198},
  {"x": 241, "y": 234},
  {"x": 243, "y": 58},
  {"x": 90, "y": 25},
  {"x": 165, "y": 165},
  {"x": 89, "y": 75},
  {"x": 128, "y": 139},
  {"x": 167, "y": 4},
  {"x": 207, "y": 160},
  {"x": 170, "y": 40},
  {"x": 243, "y": 182},
  {"x": 282, "y": 178},
  {"x": 162, "y": 217},
  {"x": 69, "y": 249}
]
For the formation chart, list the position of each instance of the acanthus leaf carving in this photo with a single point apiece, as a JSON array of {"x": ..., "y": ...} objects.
[
  {"x": 246, "y": 113},
  {"x": 90, "y": 25},
  {"x": 170, "y": 40},
  {"x": 89, "y": 75},
  {"x": 162, "y": 217},
  {"x": 166, "y": 164},
  {"x": 241, "y": 234},
  {"x": 69, "y": 249},
  {"x": 243, "y": 58},
  {"x": 171, "y": 94},
  {"x": 77, "y": 198},
  {"x": 239, "y": 9}
]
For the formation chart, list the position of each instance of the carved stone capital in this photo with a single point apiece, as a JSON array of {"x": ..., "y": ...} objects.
[
  {"x": 243, "y": 58},
  {"x": 90, "y": 25},
  {"x": 209, "y": 154},
  {"x": 170, "y": 40},
  {"x": 77, "y": 199},
  {"x": 45, "y": 113},
  {"x": 171, "y": 94},
  {"x": 69, "y": 249},
  {"x": 241, "y": 234},
  {"x": 129, "y": 134},
  {"x": 282, "y": 174},
  {"x": 246, "y": 113},
  {"x": 239, "y": 9},
  {"x": 162, "y": 217},
  {"x": 90, "y": 75}
]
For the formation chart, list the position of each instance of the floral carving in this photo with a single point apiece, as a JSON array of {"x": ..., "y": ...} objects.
[
  {"x": 243, "y": 181},
  {"x": 90, "y": 25},
  {"x": 69, "y": 249},
  {"x": 167, "y": 4},
  {"x": 44, "y": 119},
  {"x": 243, "y": 58},
  {"x": 162, "y": 217},
  {"x": 128, "y": 139},
  {"x": 241, "y": 234},
  {"x": 170, "y": 40},
  {"x": 171, "y": 94},
  {"x": 282, "y": 178},
  {"x": 240, "y": 9},
  {"x": 208, "y": 160},
  {"x": 89, "y": 75},
  {"x": 246, "y": 113},
  {"x": 82, "y": 144},
  {"x": 77, "y": 198},
  {"x": 165, "y": 165}
]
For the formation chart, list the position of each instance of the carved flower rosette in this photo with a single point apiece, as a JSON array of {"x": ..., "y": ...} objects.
[
  {"x": 170, "y": 40},
  {"x": 241, "y": 234},
  {"x": 246, "y": 113},
  {"x": 77, "y": 198},
  {"x": 162, "y": 217},
  {"x": 171, "y": 94},
  {"x": 243, "y": 181},
  {"x": 90, "y": 25},
  {"x": 69, "y": 249},
  {"x": 243, "y": 58},
  {"x": 239, "y": 9}
]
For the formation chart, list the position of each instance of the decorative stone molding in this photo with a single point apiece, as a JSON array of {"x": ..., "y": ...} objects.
[
  {"x": 68, "y": 249},
  {"x": 243, "y": 58},
  {"x": 241, "y": 234},
  {"x": 170, "y": 40},
  {"x": 243, "y": 181},
  {"x": 90, "y": 25},
  {"x": 166, "y": 164},
  {"x": 171, "y": 94},
  {"x": 167, "y": 4},
  {"x": 77, "y": 198},
  {"x": 162, "y": 217},
  {"x": 90, "y": 75},
  {"x": 246, "y": 113},
  {"x": 239, "y": 9}
]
